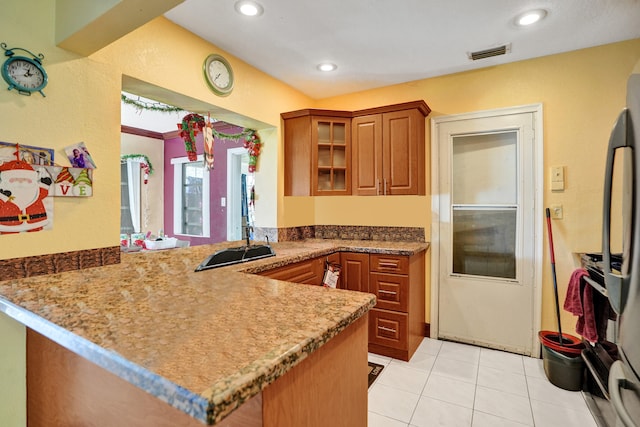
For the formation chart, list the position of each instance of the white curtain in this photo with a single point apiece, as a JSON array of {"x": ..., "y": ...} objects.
[{"x": 133, "y": 178}]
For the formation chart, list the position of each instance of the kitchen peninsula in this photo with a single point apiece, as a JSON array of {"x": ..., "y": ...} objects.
[{"x": 220, "y": 346}]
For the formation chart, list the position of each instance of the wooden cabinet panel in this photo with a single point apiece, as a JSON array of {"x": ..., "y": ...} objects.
[
  {"x": 308, "y": 272},
  {"x": 297, "y": 158},
  {"x": 366, "y": 136},
  {"x": 404, "y": 152},
  {"x": 317, "y": 152},
  {"x": 355, "y": 271},
  {"x": 388, "y": 328},
  {"x": 331, "y": 156},
  {"x": 391, "y": 291},
  {"x": 383, "y": 263},
  {"x": 388, "y": 150}
]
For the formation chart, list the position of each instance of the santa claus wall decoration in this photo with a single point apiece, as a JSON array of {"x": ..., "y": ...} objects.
[{"x": 24, "y": 201}]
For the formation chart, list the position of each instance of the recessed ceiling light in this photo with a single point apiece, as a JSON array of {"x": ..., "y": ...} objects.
[
  {"x": 249, "y": 8},
  {"x": 530, "y": 17},
  {"x": 327, "y": 66}
]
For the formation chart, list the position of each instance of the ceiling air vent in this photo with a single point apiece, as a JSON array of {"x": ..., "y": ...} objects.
[{"x": 487, "y": 53}]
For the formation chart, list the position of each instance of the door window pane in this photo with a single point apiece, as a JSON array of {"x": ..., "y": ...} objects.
[
  {"x": 485, "y": 169},
  {"x": 192, "y": 175},
  {"x": 484, "y": 241}
]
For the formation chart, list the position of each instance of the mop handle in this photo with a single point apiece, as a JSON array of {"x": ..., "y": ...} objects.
[
  {"x": 553, "y": 272},
  {"x": 553, "y": 258}
]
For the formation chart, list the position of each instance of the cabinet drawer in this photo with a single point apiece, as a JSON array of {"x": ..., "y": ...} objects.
[
  {"x": 391, "y": 290},
  {"x": 308, "y": 272},
  {"x": 398, "y": 264},
  {"x": 388, "y": 328}
]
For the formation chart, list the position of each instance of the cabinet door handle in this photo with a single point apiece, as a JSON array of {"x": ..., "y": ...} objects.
[
  {"x": 382, "y": 291},
  {"x": 377, "y": 187},
  {"x": 387, "y": 329},
  {"x": 385, "y": 186}
]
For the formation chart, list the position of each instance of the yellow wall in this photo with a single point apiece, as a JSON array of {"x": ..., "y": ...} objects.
[{"x": 581, "y": 93}]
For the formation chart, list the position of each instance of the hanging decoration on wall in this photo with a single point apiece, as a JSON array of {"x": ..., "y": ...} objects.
[
  {"x": 191, "y": 124},
  {"x": 23, "y": 191},
  {"x": 145, "y": 164},
  {"x": 253, "y": 145},
  {"x": 208, "y": 144},
  {"x": 71, "y": 182},
  {"x": 140, "y": 105}
]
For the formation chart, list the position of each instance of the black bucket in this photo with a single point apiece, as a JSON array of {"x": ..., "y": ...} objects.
[{"x": 566, "y": 372}]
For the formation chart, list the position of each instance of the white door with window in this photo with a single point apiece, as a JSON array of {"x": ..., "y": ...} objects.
[{"x": 488, "y": 239}]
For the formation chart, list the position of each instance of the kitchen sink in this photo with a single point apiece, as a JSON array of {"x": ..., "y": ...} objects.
[{"x": 237, "y": 255}]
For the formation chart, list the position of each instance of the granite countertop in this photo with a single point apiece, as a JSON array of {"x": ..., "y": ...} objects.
[{"x": 204, "y": 342}]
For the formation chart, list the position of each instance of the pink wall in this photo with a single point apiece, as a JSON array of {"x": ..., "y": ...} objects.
[{"x": 173, "y": 148}]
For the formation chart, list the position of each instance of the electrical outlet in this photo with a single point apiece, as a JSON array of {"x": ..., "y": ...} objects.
[{"x": 556, "y": 212}]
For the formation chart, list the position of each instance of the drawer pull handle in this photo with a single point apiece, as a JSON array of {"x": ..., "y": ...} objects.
[
  {"x": 382, "y": 291},
  {"x": 387, "y": 329},
  {"x": 388, "y": 265}
]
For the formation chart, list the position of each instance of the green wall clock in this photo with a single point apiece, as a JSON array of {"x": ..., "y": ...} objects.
[
  {"x": 24, "y": 74},
  {"x": 218, "y": 74}
]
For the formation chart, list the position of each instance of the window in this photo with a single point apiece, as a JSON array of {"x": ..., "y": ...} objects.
[{"x": 190, "y": 197}]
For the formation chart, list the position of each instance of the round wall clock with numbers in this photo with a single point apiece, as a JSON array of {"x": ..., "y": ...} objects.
[
  {"x": 24, "y": 74},
  {"x": 218, "y": 74}
]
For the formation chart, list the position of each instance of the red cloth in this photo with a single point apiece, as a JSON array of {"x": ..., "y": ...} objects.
[{"x": 579, "y": 302}]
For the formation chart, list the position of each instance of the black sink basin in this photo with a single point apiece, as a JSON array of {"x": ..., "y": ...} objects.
[{"x": 231, "y": 256}]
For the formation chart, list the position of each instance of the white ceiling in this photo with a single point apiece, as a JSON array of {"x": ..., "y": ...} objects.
[{"x": 382, "y": 42}]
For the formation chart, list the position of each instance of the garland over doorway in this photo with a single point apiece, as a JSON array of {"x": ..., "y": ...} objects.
[{"x": 194, "y": 123}]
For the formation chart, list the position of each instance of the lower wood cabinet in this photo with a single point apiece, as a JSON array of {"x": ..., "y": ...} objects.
[{"x": 397, "y": 322}]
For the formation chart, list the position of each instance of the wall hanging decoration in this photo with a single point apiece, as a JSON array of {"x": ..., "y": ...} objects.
[
  {"x": 71, "y": 182},
  {"x": 208, "y": 144},
  {"x": 23, "y": 191},
  {"x": 30, "y": 154},
  {"x": 252, "y": 143},
  {"x": 191, "y": 124},
  {"x": 22, "y": 73},
  {"x": 145, "y": 164}
]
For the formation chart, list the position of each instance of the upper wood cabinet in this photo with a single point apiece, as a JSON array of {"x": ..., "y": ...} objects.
[
  {"x": 317, "y": 153},
  {"x": 388, "y": 150},
  {"x": 378, "y": 151}
]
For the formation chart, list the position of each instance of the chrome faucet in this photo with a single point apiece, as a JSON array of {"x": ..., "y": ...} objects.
[{"x": 247, "y": 233}]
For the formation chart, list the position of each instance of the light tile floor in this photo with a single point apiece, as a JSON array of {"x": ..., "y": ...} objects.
[{"x": 447, "y": 384}]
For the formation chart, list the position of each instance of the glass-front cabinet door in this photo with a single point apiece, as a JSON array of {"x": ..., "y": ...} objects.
[{"x": 330, "y": 168}]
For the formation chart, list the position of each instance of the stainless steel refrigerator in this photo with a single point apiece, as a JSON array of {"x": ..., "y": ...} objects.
[{"x": 623, "y": 284}]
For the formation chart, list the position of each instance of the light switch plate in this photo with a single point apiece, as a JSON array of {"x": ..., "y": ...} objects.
[{"x": 557, "y": 178}]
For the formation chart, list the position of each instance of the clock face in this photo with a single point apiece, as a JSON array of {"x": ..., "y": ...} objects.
[
  {"x": 218, "y": 74},
  {"x": 26, "y": 75}
]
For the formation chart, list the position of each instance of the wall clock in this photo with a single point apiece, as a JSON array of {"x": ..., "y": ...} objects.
[
  {"x": 218, "y": 74},
  {"x": 22, "y": 73}
]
